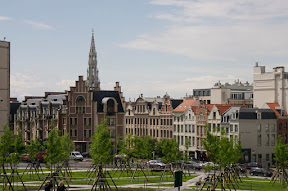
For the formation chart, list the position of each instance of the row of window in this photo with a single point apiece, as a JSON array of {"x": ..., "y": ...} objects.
[
  {"x": 74, "y": 121},
  {"x": 268, "y": 128},
  {"x": 144, "y": 121},
  {"x": 267, "y": 139},
  {"x": 153, "y": 132},
  {"x": 87, "y": 133},
  {"x": 80, "y": 110},
  {"x": 188, "y": 128}
]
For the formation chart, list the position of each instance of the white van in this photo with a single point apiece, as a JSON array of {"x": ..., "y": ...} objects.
[{"x": 75, "y": 155}]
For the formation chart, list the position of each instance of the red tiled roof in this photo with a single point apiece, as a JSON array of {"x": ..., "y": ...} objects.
[
  {"x": 272, "y": 106},
  {"x": 194, "y": 109},
  {"x": 209, "y": 107},
  {"x": 223, "y": 107},
  {"x": 185, "y": 105}
]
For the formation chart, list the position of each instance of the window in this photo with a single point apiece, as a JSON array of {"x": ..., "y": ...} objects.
[
  {"x": 280, "y": 126},
  {"x": 273, "y": 139},
  {"x": 75, "y": 121},
  {"x": 259, "y": 140},
  {"x": 267, "y": 128},
  {"x": 273, "y": 128},
  {"x": 85, "y": 121},
  {"x": 71, "y": 133},
  {"x": 267, "y": 140},
  {"x": 64, "y": 121},
  {"x": 231, "y": 128},
  {"x": 259, "y": 128},
  {"x": 71, "y": 121},
  {"x": 85, "y": 133},
  {"x": 236, "y": 128},
  {"x": 89, "y": 121},
  {"x": 214, "y": 115},
  {"x": 267, "y": 157},
  {"x": 75, "y": 131}
]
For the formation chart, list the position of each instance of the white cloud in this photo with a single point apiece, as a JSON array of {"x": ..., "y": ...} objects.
[
  {"x": 39, "y": 25},
  {"x": 217, "y": 30},
  {"x": 226, "y": 9},
  {"x": 2, "y": 18},
  {"x": 226, "y": 43},
  {"x": 25, "y": 84},
  {"x": 64, "y": 85}
]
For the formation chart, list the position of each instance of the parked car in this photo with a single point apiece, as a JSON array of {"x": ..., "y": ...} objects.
[
  {"x": 156, "y": 164},
  {"x": 26, "y": 157},
  {"x": 260, "y": 172},
  {"x": 86, "y": 155},
  {"x": 193, "y": 165},
  {"x": 252, "y": 165},
  {"x": 75, "y": 155},
  {"x": 39, "y": 157}
]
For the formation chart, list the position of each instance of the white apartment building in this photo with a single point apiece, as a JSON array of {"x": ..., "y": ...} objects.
[
  {"x": 235, "y": 94},
  {"x": 185, "y": 125},
  {"x": 215, "y": 116},
  {"x": 270, "y": 86}
]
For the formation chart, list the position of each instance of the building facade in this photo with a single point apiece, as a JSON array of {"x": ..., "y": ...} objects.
[
  {"x": 237, "y": 93},
  {"x": 34, "y": 116},
  {"x": 270, "y": 87},
  {"x": 151, "y": 116},
  {"x": 184, "y": 126},
  {"x": 5, "y": 84},
  {"x": 86, "y": 109},
  {"x": 257, "y": 131}
]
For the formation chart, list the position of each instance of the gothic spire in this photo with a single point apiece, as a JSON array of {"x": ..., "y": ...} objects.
[{"x": 92, "y": 81}]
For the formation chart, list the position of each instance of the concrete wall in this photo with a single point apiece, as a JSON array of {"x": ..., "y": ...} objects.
[{"x": 4, "y": 83}]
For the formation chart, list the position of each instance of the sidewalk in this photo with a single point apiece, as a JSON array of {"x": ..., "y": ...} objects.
[{"x": 187, "y": 184}]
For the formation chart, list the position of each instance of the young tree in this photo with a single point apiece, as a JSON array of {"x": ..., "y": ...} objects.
[
  {"x": 10, "y": 151},
  {"x": 101, "y": 152},
  {"x": 281, "y": 153},
  {"x": 54, "y": 150},
  {"x": 101, "y": 147},
  {"x": 170, "y": 150},
  {"x": 281, "y": 158}
]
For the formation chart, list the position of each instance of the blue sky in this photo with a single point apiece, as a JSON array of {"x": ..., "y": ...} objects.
[{"x": 150, "y": 47}]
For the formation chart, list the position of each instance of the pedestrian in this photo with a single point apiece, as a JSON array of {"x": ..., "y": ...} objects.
[
  {"x": 48, "y": 186},
  {"x": 61, "y": 187}
]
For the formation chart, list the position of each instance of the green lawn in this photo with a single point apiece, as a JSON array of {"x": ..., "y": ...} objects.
[
  {"x": 255, "y": 184},
  {"x": 118, "y": 177}
]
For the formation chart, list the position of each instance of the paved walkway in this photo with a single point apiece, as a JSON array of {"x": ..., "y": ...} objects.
[{"x": 187, "y": 184}]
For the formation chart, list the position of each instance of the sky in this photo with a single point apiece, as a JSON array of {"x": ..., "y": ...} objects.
[{"x": 150, "y": 46}]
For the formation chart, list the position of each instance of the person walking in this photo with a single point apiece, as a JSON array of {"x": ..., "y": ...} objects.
[
  {"x": 48, "y": 186},
  {"x": 61, "y": 187}
]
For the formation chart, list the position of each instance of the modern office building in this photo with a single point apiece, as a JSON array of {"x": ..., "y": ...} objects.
[{"x": 4, "y": 84}]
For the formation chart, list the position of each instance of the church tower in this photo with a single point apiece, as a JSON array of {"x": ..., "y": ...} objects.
[{"x": 92, "y": 82}]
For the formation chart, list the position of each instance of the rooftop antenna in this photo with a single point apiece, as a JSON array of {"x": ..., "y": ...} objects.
[{"x": 4, "y": 38}]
